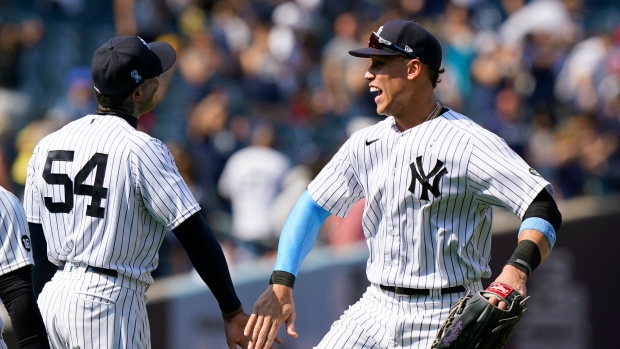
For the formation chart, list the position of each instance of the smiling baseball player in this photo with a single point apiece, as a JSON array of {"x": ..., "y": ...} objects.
[
  {"x": 430, "y": 177},
  {"x": 104, "y": 195}
]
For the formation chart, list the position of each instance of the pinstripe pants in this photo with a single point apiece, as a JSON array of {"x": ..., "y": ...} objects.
[
  {"x": 383, "y": 320},
  {"x": 83, "y": 310}
]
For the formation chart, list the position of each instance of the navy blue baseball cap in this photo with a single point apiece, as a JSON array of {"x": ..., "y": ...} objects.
[
  {"x": 124, "y": 62},
  {"x": 403, "y": 38}
]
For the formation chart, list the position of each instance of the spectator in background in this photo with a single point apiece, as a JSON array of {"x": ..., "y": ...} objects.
[
  {"x": 458, "y": 37},
  {"x": 78, "y": 99},
  {"x": 336, "y": 63},
  {"x": 508, "y": 120},
  {"x": 540, "y": 148},
  {"x": 597, "y": 147},
  {"x": 211, "y": 143},
  {"x": 571, "y": 177},
  {"x": 18, "y": 31},
  {"x": 25, "y": 142},
  {"x": 251, "y": 180},
  {"x": 577, "y": 79}
]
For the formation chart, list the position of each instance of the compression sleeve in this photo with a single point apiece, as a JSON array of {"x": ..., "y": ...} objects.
[
  {"x": 299, "y": 233},
  {"x": 18, "y": 298},
  {"x": 543, "y": 215},
  {"x": 206, "y": 254},
  {"x": 43, "y": 270}
]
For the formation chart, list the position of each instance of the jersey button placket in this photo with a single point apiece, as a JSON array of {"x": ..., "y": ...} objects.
[{"x": 393, "y": 201}]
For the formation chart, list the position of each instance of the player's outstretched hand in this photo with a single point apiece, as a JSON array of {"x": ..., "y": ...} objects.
[
  {"x": 274, "y": 307},
  {"x": 233, "y": 327}
]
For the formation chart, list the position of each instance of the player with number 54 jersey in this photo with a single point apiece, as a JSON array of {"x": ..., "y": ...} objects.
[
  {"x": 73, "y": 191},
  {"x": 103, "y": 195}
]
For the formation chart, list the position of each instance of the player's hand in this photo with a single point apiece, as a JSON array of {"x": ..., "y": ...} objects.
[
  {"x": 514, "y": 278},
  {"x": 272, "y": 308},
  {"x": 233, "y": 327}
]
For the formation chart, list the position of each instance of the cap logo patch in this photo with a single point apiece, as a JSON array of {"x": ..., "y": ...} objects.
[
  {"x": 144, "y": 42},
  {"x": 134, "y": 74},
  {"x": 379, "y": 31},
  {"x": 408, "y": 49}
]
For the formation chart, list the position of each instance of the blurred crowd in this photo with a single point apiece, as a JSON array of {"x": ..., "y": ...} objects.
[{"x": 264, "y": 92}]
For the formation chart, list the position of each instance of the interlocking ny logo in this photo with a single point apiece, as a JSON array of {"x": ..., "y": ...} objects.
[{"x": 417, "y": 172}]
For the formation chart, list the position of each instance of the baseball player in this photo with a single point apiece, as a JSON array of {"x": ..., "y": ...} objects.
[
  {"x": 15, "y": 276},
  {"x": 430, "y": 177},
  {"x": 103, "y": 195}
]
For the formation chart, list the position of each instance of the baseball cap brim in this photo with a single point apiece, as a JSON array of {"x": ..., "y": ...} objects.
[
  {"x": 371, "y": 51},
  {"x": 165, "y": 52}
]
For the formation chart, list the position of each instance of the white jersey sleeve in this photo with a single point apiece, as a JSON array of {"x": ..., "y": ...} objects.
[
  {"x": 500, "y": 177},
  {"x": 14, "y": 236},
  {"x": 160, "y": 185},
  {"x": 32, "y": 196},
  {"x": 336, "y": 188}
]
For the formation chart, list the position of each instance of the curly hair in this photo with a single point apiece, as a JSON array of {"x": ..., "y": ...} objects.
[
  {"x": 110, "y": 101},
  {"x": 434, "y": 74}
]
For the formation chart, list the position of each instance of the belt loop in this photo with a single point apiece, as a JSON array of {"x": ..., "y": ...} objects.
[{"x": 435, "y": 293}]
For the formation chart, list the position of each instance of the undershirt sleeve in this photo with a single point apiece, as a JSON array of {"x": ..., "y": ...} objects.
[
  {"x": 43, "y": 270},
  {"x": 208, "y": 259},
  {"x": 19, "y": 299},
  {"x": 299, "y": 233}
]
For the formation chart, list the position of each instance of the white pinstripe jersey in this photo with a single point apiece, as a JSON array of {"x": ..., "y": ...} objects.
[
  {"x": 429, "y": 194},
  {"x": 14, "y": 239},
  {"x": 105, "y": 194},
  {"x": 14, "y": 235}
]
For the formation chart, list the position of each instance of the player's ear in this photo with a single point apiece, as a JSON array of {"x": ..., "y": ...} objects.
[
  {"x": 414, "y": 68},
  {"x": 137, "y": 93}
]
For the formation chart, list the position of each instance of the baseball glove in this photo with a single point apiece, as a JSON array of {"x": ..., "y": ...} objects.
[{"x": 475, "y": 323}]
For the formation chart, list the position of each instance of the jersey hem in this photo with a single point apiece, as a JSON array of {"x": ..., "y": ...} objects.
[{"x": 5, "y": 269}]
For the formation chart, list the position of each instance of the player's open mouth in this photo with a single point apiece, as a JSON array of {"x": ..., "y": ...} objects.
[{"x": 376, "y": 90}]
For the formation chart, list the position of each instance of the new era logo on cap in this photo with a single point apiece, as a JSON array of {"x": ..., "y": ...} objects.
[{"x": 124, "y": 62}]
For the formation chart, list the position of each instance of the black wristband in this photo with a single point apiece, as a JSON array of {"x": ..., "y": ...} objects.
[
  {"x": 280, "y": 277},
  {"x": 521, "y": 265},
  {"x": 526, "y": 257}
]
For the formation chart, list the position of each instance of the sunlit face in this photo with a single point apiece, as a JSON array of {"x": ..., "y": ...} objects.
[
  {"x": 149, "y": 88},
  {"x": 387, "y": 76}
]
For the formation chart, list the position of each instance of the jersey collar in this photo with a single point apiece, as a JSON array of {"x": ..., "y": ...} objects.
[{"x": 132, "y": 120}]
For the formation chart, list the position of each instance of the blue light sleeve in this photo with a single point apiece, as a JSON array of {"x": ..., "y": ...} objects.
[{"x": 299, "y": 233}]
